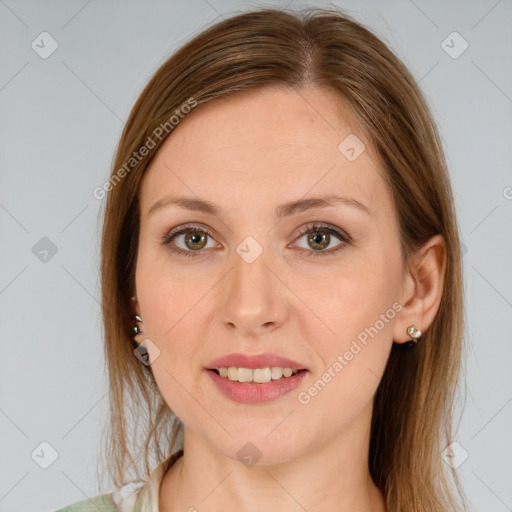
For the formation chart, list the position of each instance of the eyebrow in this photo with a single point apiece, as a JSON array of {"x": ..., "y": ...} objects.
[{"x": 283, "y": 210}]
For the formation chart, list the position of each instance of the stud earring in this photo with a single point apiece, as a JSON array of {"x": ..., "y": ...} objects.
[
  {"x": 415, "y": 334},
  {"x": 136, "y": 330}
]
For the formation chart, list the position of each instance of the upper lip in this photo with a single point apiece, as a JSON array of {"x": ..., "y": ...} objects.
[{"x": 253, "y": 362}]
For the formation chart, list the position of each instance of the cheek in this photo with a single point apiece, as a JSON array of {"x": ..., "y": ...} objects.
[
  {"x": 356, "y": 308},
  {"x": 177, "y": 366},
  {"x": 351, "y": 299},
  {"x": 170, "y": 301},
  {"x": 353, "y": 359}
]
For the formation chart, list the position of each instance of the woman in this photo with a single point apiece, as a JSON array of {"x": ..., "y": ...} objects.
[{"x": 281, "y": 243}]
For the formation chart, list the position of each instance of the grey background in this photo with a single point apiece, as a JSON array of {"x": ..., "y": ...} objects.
[{"x": 60, "y": 121}]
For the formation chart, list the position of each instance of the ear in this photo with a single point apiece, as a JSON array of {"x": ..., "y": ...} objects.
[{"x": 422, "y": 289}]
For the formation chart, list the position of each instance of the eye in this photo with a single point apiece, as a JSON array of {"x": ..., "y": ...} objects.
[
  {"x": 194, "y": 239},
  {"x": 320, "y": 237}
]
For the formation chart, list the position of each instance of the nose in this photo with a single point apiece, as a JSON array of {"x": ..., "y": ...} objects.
[{"x": 254, "y": 299}]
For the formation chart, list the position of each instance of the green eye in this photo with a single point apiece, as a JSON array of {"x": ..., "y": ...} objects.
[
  {"x": 195, "y": 240},
  {"x": 319, "y": 238}
]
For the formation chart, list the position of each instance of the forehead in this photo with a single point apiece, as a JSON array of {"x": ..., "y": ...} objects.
[{"x": 273, "y": 143}]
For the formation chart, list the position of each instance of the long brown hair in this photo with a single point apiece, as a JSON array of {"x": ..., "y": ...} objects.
[{"x": 412, "y": 420}]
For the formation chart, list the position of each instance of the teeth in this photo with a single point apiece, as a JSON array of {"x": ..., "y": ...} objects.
[{"x": 259, "y": 375}]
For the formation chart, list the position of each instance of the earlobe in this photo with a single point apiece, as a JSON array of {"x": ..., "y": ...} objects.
[{"x": 423, "y": 289}]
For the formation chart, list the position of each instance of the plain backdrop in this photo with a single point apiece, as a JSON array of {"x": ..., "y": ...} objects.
[{"x": 60, "y": 119}]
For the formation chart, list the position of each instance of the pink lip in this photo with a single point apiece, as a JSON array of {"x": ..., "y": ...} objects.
[
  {"x": 252, "y": 393},
  {"x": 253, "y": 362}
]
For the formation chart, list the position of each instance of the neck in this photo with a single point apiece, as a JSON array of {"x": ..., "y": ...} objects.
[{"x": 329, "y": 476}]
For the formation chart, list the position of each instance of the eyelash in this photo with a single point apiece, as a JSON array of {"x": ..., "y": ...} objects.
[{"x": 316, "y": 228}]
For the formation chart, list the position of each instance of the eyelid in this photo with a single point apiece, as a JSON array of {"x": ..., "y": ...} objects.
[
  {"x": 323, "y": 226},
  {"x": 188, "y": 227}
]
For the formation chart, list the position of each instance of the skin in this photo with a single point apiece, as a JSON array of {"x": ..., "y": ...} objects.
[{"x": 248, "y": 154}]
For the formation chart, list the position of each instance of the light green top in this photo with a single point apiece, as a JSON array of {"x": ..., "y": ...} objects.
[{"x": 139, "y": 496}]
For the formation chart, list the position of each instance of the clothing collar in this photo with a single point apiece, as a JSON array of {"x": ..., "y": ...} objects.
[{"x": 147, "y": 498}]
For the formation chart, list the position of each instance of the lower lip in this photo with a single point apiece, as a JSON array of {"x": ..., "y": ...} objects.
[{"x": 251, "y": 393}]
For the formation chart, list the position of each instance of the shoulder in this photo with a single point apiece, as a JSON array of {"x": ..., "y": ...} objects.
[
  {"x": 102, "y": 502},
  {"x": 136, "y": 496},
  {"x": 121, "y": 500}
]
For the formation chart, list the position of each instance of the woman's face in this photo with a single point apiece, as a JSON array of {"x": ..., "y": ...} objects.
[{"x": 264, "y": 280}]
